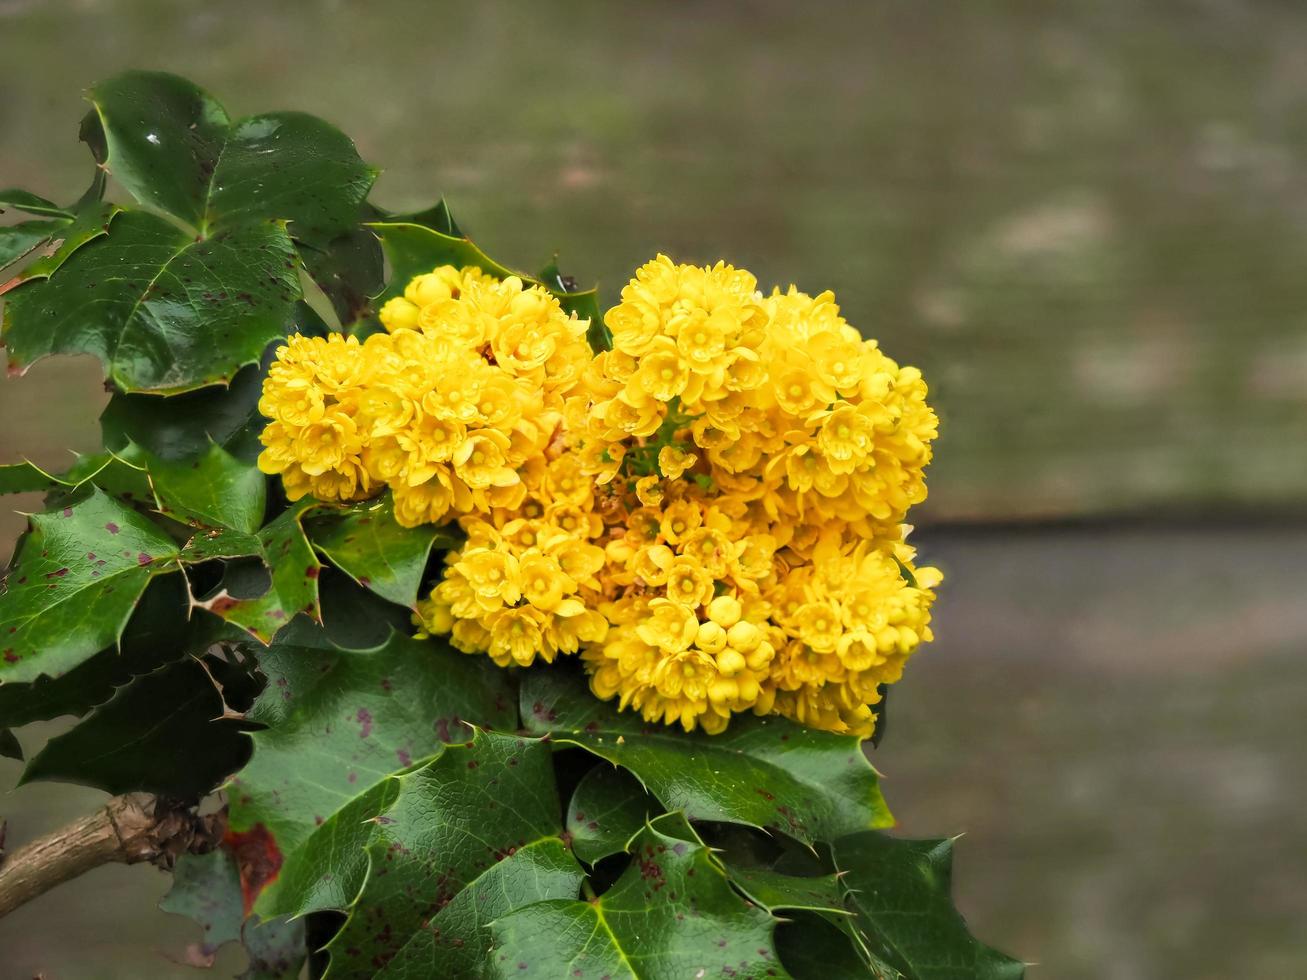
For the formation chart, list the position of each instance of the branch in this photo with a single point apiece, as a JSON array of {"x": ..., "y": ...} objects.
[{"x": 129, "y": 829}]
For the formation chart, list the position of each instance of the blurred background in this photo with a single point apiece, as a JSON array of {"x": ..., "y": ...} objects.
[{"x": 1086, "y": 222}]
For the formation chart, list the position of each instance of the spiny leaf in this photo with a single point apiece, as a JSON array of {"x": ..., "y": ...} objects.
[
  {"x": 164, "y": 732},
  {"x": 344, "y": 720},
  {"x": 814, "y": 948},
  {"x": 762, "y": 772},
  {"x": 214, "y": 489},
  {"x": 227, "y": 416},
  {"x": 163, "y": 311},
  {"x": 172, "y": 145},
  {"x": 452, "y": 820},
  {"x": 74, "y": 583},
  {"x": 899, "y": 890},
  {"x": 25, "y": 237},
  {"x": 608, "y": 808},
  {"x": 671, "y": 914},
  {"x": 366, "y": 542},
  {"x": 90, "y": 223},
  {"x": 158, "y": 633},
  {"x": 413, "y": 249},
  {"x": 293, "y": 570},
  {"x": 21, "y": 200},
  {"x": 457, "y": 941},
  {"x": 207, "y": 889}
]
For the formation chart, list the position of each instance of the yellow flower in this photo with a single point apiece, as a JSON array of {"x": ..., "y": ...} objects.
[
  {"x": 671, "y": 627},
  {"x": 688, "y": 583},
  {"x": 673, "y": 461}
]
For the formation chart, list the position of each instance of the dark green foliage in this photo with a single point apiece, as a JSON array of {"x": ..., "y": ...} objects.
[{"x": 425, "y": 812}]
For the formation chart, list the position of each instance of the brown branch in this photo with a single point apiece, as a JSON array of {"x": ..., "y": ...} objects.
[{"x": 128, "y": 829}]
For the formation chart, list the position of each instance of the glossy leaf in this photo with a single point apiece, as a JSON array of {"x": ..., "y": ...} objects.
[
  {"x": 228, "y": 416},
  {"x": 899, "y": 890},
  {"x": 158, "y": 633},
  {"x": 25, "y": 237},
  {"x": 89, "y": 224},
  {"x": 762, "y": 772},
  {"x": 776, "y": 891},
  {"x": 452, "y": 821},
  {"x": 207, "y": 889},
  {"x": 813, "y": 948},
  {"x": 164, "y": 732},
  {"x": 163, "y": 311},
  {"x": 365, "y": 542},
  {"x": 413, "y": 249},
  {"x": 343, "y": 720},
  {"x": 172, "y": 145},
  {"x": 214, "y": 489},
  {"x": 349, "y": 271},
  {"x": 9, "y": 745},
  {"x": 608, "y": 808},
  {"x": 74, "y": 583},
  {"x": 292, "y": 586},
  {"x": 21, "y": 200},
  {"x": 672, "y": 914}
]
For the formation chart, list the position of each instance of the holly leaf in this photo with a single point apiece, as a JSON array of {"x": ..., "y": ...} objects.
[
  {"x": 25, "y": 237},
  {"x": 21, "y": 200},
  {"x": 349, "y": 271},
  {"x": 173, "y": 146},
  {"x": 90, "y": 222},
  {"x": 414, "y": 249},
  {"x": 206, "y": 888},
  {"x": 365, "y": 542},
  {"x": 164, "y": 311},
  {"x": 163, "y": 732},
  {"x": 761, "y": 772},
  {"x": 292, "y": 575},
  {"x": 340, "y": 722},
  {"x": 672, "y": 913},
  {"x": 776, "y": 891},
  {"x": 74, "y": 583},
  {"x": 452, "y": 821},
  {"x": 9, "y": 746},
  {"x": 214, "y": 489},
  {"x": 899, "y": 891},
  {"x": 227, "y": 416},
  {"x": 158, "y": 633},
  {"x": 608, "y": 808},
  {"x": 814, "y": 948}
]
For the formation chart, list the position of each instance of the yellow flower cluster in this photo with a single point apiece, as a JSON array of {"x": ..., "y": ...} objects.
[
  {"x": 710, "y": 513},
  {"x": 465, "y": 389}
]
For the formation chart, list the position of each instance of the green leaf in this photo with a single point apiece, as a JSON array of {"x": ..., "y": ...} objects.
[
  {"x": 413, "y": 249},
  {"x": 23, "y": 238},
  {"x": 457, "y": 942},
  {"x": 671, "y": 914},
  {"x": 349, "y": 271},
  {"x": 899, "y": 890},
  {"x": 214, "y": 489},
  {"x": 293, "y": 567},
  {"x": 341, "y": 721},
  {"x": 608, "y": 808},
  {"x": 26, "y": 201},
  {"x": 157, "y": 633},
  {"x": 365, "y": 542},
  {"x": 813, "y": 948},
  {"x": 228, "y": 416},
  {"x": 452, "y": 820},
  {"x": 172, "y": 145},
  {"x": 90, "y": 223},
  {"x": 163, "y": 311},
  {"x": 775, "y": 891},
  {"x": 9, "y": 747},
  {"x": 74, "y": 583},
  {"x": 206, "y": 888},
  {"x": 165, "y": 732},
  {"x": 761, "y": 772}
]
